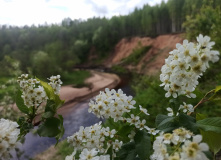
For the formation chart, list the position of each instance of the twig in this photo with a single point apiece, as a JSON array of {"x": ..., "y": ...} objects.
[{"x": 202, "y": 100}]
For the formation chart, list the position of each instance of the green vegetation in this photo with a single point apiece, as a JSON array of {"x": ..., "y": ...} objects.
[
  {"x": 200, "y": 23},
  {"x": 60, "y": 47},
  {"x": 64, "y": 149},
  {"x": 75, "y": 78},
  {"x": 119, "y": 69},
  {"x": 136, "y": 55}
]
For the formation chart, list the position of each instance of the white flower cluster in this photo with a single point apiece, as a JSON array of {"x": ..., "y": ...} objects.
[
  {"x": 88, "y": 155},
  {"x": 32, "y": 92},
  {"x": 185, "y": 65},
  {"x": 8, "y": 137},
  {"x": 55, "y": 83},
  {"x": 114, "y": 104},
  {"x": 111, "y": 104},
  {"x": 135, "y": 120},
  {"x": 185, "y": 108},
  {"x": 166, "y": 146},
  {"x": 95, "y": 137}
]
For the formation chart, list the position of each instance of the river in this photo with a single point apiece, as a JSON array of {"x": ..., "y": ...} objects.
[{"x": 76, "y": 117}]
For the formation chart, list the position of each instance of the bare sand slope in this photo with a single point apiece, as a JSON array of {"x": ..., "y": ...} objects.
[{"x": 99, "y": 81}]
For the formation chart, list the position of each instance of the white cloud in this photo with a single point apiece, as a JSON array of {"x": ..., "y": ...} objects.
[{"x": 28, "y": 12}]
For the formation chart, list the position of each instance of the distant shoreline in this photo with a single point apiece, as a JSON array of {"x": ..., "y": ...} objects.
[{"x": 98, "y": 81}]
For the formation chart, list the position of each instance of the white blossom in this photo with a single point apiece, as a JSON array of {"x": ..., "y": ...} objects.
[
  {"x": 186, "y": 108},
  {"x": 180, "y": 144},
  {"x": 112, "y": 104},
  {"x": 8, "y": 137},
  {"x": 185, "y": 65},
  {"x": 95, "y": 137},
  {"x": 55, "y": 83}
]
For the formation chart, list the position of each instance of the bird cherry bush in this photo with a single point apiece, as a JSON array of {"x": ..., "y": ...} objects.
[
  {"x": 124, "y": 134},
  {"x": 180, "y": 134}
]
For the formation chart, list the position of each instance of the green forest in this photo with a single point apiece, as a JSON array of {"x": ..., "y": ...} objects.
[
  {"x": 51, "y": 49},
  {"x": 61, "y": 47}
]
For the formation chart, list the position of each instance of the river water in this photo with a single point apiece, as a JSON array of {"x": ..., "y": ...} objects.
[{"x": 78, "y": 116}]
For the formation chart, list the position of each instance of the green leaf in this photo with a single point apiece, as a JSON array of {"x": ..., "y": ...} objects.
[
  {"x": 49, "y": 128},
  {"x": 212, "y": 139},
  {"x": 142, "y": 144},
  {"x": 50, "y": 93},
  {"x": 200, "y": 116},
  {"x": 48, "y": 89},
  {"x": 124, "y": 131},
  {"x": 218, "y": 88},
  {"x": 188, "y": 122},
  {"x": 111, "y": 124},
  {"x": 173, "y": 103},
  {"x": 48, "y": 114},
  {"x": 24, "y": 127},
  {"x": 20, "y": 103},
  {"x": 217, "y": 94},
  {"x": 50, "y": 106},
  {"x": 210, "y": 124},
  {"x": 127, "y": 151},
  {"x": 61, "y": 127},
  {"x": 165, "y": 123}
]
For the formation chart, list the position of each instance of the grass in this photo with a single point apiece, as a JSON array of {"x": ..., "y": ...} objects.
[
  {"x": 75, "y": 78},
  {"x": 64, "y": 149},
  {"x": 119, "y": 69},
  {"x": 59, "y": 152},
  {"x": 136, "y": 55}
]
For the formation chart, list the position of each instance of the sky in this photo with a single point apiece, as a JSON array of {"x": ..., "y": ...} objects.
[{"x": 29, "y": 12}]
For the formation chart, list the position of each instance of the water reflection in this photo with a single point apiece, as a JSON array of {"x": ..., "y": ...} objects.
[{"x": 77, "y": 116}]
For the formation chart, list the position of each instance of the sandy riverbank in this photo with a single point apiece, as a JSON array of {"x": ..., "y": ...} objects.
[{"x": 99, "y": 81}]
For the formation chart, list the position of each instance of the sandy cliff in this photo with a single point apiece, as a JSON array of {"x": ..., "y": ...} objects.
[{"x": 152, "y": 61}]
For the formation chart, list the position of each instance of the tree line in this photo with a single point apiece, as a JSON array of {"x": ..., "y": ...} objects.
[{"x": 60, "y": 47}]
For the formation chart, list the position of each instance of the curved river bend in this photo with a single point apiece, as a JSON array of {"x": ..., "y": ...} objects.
[{"x": 76, "y": 117}]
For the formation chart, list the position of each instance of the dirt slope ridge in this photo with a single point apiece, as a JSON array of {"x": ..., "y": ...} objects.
[{"x": 152, "y": 61}]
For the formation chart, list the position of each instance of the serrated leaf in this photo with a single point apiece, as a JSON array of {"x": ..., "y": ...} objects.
[
  {"x": 48, "y": 114},
  {"x": 200, "y": 116},
  {"x": 218, "y": 88},
  {"x": 127, "y": 151},
  {"x": 111, "y": 124},
  {"x": 173, "y": 103},
  {"x": 142, "y": 144},
  {"x": 124, "y": 131},
  {"x": 50, "y": 93},
  {"x": 210, "y": 124},
  {"x": 212, "y": 139},
  {"x": 20, "y": 103},
  {"x": 48, "y": 89},
  {"x": 61, "y": 127},
  {"x": 188, "y": 122},
  {"x": 160, "y": 118},
  {"x": 217, "y": 94},
  {"x": 165, "y": 123},
  {"x": 50, "y": 106},
  {"x": 49, "y": 128}
]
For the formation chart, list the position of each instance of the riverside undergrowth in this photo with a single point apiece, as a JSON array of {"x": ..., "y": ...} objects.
[{"x": 125, "y": 134}]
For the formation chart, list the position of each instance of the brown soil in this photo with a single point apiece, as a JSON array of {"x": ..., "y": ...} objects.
[{"x": 153, "y": 59}]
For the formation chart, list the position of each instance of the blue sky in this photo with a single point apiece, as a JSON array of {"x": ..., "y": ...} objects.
[{"x": 28, "y": 12}]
